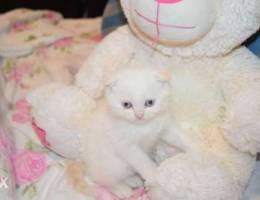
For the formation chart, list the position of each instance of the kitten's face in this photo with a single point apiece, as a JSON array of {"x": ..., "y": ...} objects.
[{"x": 138, "y": 95}]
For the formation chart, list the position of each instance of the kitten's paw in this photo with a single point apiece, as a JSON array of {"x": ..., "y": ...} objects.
[
  {"x": 134, "y": 182},
  {"x": 122, "y": 191}
]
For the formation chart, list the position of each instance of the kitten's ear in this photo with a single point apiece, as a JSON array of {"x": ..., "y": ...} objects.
[{"x": 163, "y": 76}]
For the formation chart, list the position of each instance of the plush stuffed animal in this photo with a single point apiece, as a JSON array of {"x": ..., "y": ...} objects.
[{"x": 215, "y": 81}]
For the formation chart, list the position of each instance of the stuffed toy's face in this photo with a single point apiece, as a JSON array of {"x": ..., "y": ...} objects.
[
  {"x": 193, "y": 27},
  {"x": 173, "y": 21}
]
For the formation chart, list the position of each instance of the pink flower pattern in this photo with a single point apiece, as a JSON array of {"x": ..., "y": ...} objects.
[
  {"x": 6, "y": 143},
  {"x": 2, "y": 145},
  {"x": 22, "y": 113},
  {"x": 18, "y": 72},
  {"x": 52, "y": 16},
  {"x": 29, "y": 166},
  {"x": 63, "y": 43},
  {"x": 20, "y": 26}
]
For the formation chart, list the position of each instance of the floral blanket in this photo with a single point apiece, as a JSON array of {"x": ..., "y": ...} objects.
[{"x": 37, "y": 47}]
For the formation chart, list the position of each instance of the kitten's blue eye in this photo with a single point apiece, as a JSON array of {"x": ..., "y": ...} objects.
[
  {"x": 127, "y": 105},
  {"x": 149, "y": 103}
]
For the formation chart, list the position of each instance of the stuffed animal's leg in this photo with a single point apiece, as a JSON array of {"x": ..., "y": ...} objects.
[
  {"x": 189, "y": 176},
  {"x": 58, "y": 110}
]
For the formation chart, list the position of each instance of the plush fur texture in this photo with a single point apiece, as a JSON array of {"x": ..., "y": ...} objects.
[
  {"x": 62, "y": 128},
  {"x": 216, "y": 101},
  {"x": 216, "y": 105}
]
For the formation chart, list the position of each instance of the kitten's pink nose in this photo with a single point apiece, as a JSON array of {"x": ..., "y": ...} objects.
[
  {"x": 139, "y": 115},
  {"x": 168, "y": 1}
]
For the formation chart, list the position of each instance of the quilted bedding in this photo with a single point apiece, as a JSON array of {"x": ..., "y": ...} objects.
[{"x": 37, "y": 47}]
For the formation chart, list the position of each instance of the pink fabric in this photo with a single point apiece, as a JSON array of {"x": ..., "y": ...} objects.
[
  {"x": 29, "y": 166},
  {"x": 63, "y": 43},
  {"x": 19, "y": 71},
  {"x": 32, "y": 160},
  {"x": 22, "y": 112},
  {"x": 2, "y": 145},
  {"x": 20, "y": 26},
  {"x": 52, "y": 16},
  {"x": 5, "y": 142},
  {"x": 22, "y": 115}
]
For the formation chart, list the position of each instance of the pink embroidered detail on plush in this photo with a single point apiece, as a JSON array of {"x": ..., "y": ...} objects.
[
  {"x": 104, "y": 194},
  {"x": 63, "y": 43},
  {"x": 22, "y": 113},
  {"x": 29, "y": 166},
  {"x": 40, "y": 133},
  {"x": 17, "y": 73}
]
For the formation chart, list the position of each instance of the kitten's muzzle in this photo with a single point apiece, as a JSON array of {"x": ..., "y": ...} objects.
[{"x": 139, "y": 115}]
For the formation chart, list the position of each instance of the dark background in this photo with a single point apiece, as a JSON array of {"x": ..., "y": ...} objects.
[{"x": 69, "y": 8}]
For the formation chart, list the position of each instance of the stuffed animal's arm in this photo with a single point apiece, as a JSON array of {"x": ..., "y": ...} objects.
[
  {"x": 58, "y": 110},
  {"x": 113, "y": 52},
  {"x": 241, "y": 90}
]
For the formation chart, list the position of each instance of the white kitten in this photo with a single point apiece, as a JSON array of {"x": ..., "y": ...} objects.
[{"x": 126, "y": 126}]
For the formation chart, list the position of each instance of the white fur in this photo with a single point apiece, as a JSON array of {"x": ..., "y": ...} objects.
[
  {"x": 116, "y": 144},
  {"x": 203, "y": 88},
  {"x": 242, "y": 123},
  {"x": 216, "y": 102}
]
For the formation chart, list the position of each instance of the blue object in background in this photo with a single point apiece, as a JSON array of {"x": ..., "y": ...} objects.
[
  {"x": 254, "y": 44},
  {"x": 113, "y": 17}
]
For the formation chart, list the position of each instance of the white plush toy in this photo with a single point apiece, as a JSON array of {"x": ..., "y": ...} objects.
[{"x": 215, "y": 81}]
